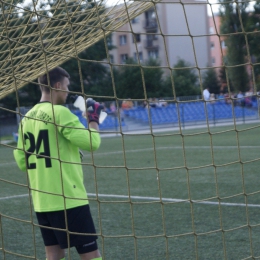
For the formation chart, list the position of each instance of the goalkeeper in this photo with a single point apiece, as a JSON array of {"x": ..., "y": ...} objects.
[{"x": 50, "y": 137}]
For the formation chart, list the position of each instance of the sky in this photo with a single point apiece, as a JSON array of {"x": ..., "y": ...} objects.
[
  {"x": 113, "y": 2},
  {"x": 214, "y": 4}
]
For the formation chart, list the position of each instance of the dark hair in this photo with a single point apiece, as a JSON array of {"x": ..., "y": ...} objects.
[{"x": 55, "y": 75}]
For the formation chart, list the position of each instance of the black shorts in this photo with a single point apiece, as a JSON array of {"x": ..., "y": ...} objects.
[{"x": 79, "y": 220}]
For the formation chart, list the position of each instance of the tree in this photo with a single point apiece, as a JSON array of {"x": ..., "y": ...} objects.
[
  {"x": 87, "y": 73},
  {"x": 93, "y": 72},
  {"x": 225, "y": 81},
  {"x": 210, "y": 80},
  {"x": 185, "y": 80},
  {"x": 13, "y": 23},
  {"x": 233, "y": 18},
  {"x": 153, "y": 77},
  {"x": 253, "y": 27},
  {"x": 133, "y": 81}
]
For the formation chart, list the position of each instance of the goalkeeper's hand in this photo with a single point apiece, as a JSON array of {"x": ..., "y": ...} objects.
[{"x": 93, "y": 110}]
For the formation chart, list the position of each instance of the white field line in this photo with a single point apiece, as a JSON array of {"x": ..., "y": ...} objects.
[
  {"x": 14, "y": 197},
  {"x": 158, "y": 148},
  {"x": 174, "y": 147},
  {"x": 155, "y": 199}
]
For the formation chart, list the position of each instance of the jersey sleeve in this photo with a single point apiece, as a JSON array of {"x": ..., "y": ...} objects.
[
  {"x": 72, "y": 129},
  {"x": 19, "y": 154}
]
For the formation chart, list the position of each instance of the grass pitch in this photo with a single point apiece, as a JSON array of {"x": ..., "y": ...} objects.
[{"x": 177, "y": 195}]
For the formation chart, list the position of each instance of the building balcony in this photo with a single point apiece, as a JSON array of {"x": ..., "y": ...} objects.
[
  {"x": 151, "y": 45},
  {"x": 150, "y": 25}
]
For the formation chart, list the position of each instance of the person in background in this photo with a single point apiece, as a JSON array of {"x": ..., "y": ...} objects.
[
  {"x": 162, "y": 103},
  {"x": 212, "y": 98},
  {"x": 248, "y": 99},
  {"x": 240, "y": 99},
  {"x": 206, "y": 94},
  {"x": 228, "y": 98},
  {"x": 127, "y": 104},
  {"x": 221, "y": 97},
  {"x": 50, "y": 137},
  {"x": 145, "y": 104},
  {"x": 153, "y": 102}
]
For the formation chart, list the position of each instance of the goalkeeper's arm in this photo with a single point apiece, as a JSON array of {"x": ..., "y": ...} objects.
[
  {"x": 93, "y": 112},
  {"x": 93, "y": 125}
]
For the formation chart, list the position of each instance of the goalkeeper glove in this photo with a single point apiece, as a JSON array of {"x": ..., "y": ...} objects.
[{"x": 93, "y": 110}]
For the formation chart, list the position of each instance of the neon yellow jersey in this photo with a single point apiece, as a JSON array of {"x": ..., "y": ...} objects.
[{"x": 49, "y": 140}]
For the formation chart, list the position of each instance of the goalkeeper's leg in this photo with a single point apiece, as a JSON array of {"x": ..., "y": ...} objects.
[
  {"x": 89, "y": 251},
  {"x": 94, "y": 255},
  {"x": 55, "y": 252},
  {"x": 79, "y": 220}
]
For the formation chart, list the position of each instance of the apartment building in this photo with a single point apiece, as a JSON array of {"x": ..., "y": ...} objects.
[
  {"x": 217, "y": 43},
  {"x": 169, "y": 31}
]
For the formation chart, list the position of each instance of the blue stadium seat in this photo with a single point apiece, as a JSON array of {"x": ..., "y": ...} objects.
[{"x": 191, "y": 111}]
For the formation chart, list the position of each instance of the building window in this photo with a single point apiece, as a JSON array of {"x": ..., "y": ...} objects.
[
  {"x": 213, "y": 61},
  {"x": 211, "y": 30},
  {"x": 135, "y": 20},
  {"x": 154, "y": 54},
  {"x": 111, "y": 57},
  {"x": 223, "y": 45},
  {"x": 136, "y": 37},
  {"x": 212, "y": 45},
  {"x": 123, "y": 58},
  {"x": 140, "y": 54},
  {"x": 109, "y": 41},
  {"x": 150, "y": 15},
  {"x": 122, "y": 39}
]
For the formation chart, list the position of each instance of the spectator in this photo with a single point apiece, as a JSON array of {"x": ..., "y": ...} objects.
[
  {"x": 112, "y": 108},
  {"x": 104, "y": 105},
  {"x": 212, "y": 98},
  {"x": 145, "y": 104},
  {"x": 162, "y": 103},
  {"x": 153, "y": 102},
  {"x": 206, "y": 94},
  {"x": 221, "y": 97},
  {"x": 127, "y": 104},
  {"x": 240, "y": 99},
  {"x": 227, "y": 98},
  {"x": 248, "y": 100},
  {"x": 122, "y": 115}
]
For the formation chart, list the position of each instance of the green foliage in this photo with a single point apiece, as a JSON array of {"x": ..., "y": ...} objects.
[
  {"x": 253, "y": 26},
  {"x": 234, "y": 17},
  {"x": 185, "y": 80},
  {"x": 137, "y": 82},
  {"x": 128, "y": 81},
  {"x": 89, "y": 71},
  {"x": 210, "y": 80},
  {"x": 88, "y": 74},
  {"x": 225, "y": 80}
]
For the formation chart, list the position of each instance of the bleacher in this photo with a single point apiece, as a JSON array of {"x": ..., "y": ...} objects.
[
  {"x": 190, "y": 111},
  {"x": 185, "y": 112}
]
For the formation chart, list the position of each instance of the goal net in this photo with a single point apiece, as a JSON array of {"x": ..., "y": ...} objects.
[{"x": 176, "y": 176}]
